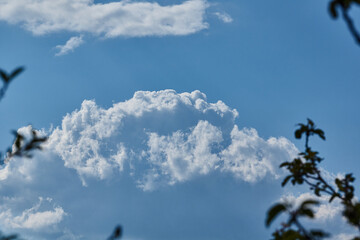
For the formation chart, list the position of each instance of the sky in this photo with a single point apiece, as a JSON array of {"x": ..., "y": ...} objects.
[{"x": 171, "y": 118}]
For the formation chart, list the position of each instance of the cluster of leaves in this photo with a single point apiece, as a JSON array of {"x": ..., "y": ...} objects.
[
  {"x": 9, "y": 237},
  {"x": 343, "y": 6},
  {"x": 305, "y": 170},
  {"x": 22, "y": 146}
]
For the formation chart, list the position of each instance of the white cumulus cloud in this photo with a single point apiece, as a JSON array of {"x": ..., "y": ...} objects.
[
  {"x": 181, "y": 156},
  {"x": 251, "y": 157},
  {"x": 69, "y": 46},
  {"x": 171, "y": 137},
  {"x": 32, "y": 218},
  {"x": 158, "y": 140},
  {"x": 111, "y": 19}
]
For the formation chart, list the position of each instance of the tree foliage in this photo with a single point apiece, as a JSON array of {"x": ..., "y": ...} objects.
[
  {"x": 22, "y": 146},
  {"x": 305, "y": 170}
]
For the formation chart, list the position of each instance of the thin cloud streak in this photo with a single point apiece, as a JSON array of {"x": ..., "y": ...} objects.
[{"x": 69, "y": 46}]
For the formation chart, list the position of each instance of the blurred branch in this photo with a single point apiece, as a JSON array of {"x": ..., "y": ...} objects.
[
  {"x": 23, "y": 147},
  {"x": 7, "y": 79},
  {"x": 116, "y": 234},
  {"x": 351, "y": 26},
  {"x": 345, "y": 6}
]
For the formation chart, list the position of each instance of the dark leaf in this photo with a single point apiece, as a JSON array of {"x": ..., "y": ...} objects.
[
  {"x": 305, "y": 203},
  {"x": 298, "y": 133},
  {"x": 16, "y": 72},
  {"x": 310, "y": 122},
  {"x": 286, "y": 180},
  {"x": 4, "y": 76},
  {"x": 284, "y": 164},
  {"x": 332, "y": 9},
  {"x": 320, "y": 133},
  {"x": 273, "y": 212},
  {"x": 116, "y": 234},
  {"x": 307, "y": 212},
  {"x": 319, "y": 233},
  {"x": 292, "y": 235},
  {"x": 332, "y": 197}
]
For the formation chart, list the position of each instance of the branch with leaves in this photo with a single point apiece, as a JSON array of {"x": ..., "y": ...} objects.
[
  {"x": 305, "y": 170},
  {"x": 22, "y": 147}
]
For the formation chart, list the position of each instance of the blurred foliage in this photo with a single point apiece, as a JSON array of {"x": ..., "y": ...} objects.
[
  {"x": 9, "y": 237},
  {"x": 343, "y": 7},
  {"x": 22, "y": 146},
  {"x": 7, "y": 79},
  {"x": 116, "y": 234},
  {"x": 305, "y": 170}
]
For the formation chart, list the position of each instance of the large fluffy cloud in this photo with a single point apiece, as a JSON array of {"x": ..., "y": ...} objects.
[
  {"x": 140, "y": 159},
  {"x": 112, "y": 19},
  {"x": 171, "y": 137}
]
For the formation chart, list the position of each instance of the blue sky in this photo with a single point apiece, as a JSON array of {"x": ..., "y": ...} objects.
[{"x": 170, "y": 164}]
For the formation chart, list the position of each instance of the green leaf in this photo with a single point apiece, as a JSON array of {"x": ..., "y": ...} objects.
[
  {"x": 292, "y": 235},
  {"x": 333, "y": 197},
  {"x": 320, "y": 133},
  {"x": 332, "y": 9},
  {"x": 286, "y": 180},
  {"x": 307, "y": 212},
  {"x": 310, "y": 122},
  {"x": 284, "y": 164},
  {"x": 319, "y": 233},
  {"x": 273, "y": 212},
  {"x": 305, "y": 203},
  {"x": 298, "y": 133}
]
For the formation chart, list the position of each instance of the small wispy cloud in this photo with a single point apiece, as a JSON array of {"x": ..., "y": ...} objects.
[
  {"x": 69, "y": 46},
  {"x": 226, "y": 18}
]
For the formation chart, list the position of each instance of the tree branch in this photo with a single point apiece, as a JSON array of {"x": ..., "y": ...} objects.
[{"x": 349, "y": 22}]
